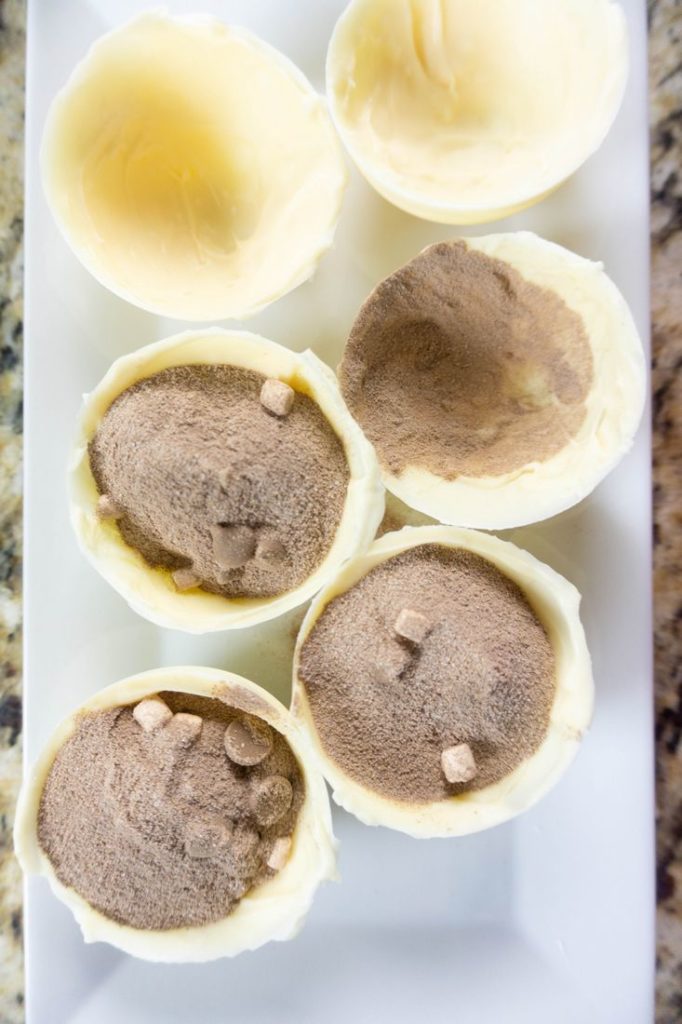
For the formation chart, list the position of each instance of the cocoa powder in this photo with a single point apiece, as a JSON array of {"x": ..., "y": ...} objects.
[
  {"x": 459, "y": 365},
  {"x": 386, "y": 708},
  {"x": 196, "y": 467},
  {"x": 161, "y": 829}
]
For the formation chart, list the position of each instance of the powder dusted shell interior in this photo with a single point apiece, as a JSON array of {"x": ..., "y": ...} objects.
[
  {"x": 499, "y": 379},
  {"x": 465, "y": 111},
  {"x": 179, "y": 188},
  {"x": 555, "y": 602},
  {"x": 275, "y": 909},
  {"x": 152, "y": 592}
]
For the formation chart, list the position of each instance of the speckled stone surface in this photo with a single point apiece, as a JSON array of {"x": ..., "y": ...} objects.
[
  {"x": 665, "y": 19},
  {"x": 665, "y": 76},
  {"x": 12, "y": 46}
]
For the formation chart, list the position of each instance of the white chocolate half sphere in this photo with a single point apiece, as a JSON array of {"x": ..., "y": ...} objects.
[
  {"x": 274, "y": 909},
  {"x": 499, "y": 378},
  {"x": 151, "y": 591},
  {"x": 465, "y": 111},
  {"x": 555, "y": 603},
  {"x": 192, "y": 168}
]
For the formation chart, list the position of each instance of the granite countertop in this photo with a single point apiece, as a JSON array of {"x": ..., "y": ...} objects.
[
  {"x": 665, "y": 84},
  {"x": 12, "y": 44},
  {"x": 665, "y": 48}
]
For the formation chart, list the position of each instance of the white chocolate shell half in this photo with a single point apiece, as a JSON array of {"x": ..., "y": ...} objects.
[
  {"x": 466, "y": 111},
  {"x": 192, "y": 168},
  {"x": 152, "y": 592},
  {"x": 610, "y": 398},
  {"x": 273, "y": 910},
  {"x": 555, "y": 601}
]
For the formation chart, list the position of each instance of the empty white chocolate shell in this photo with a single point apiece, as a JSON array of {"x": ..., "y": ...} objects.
[
  {"x": 192, "y": 168},
  {"x": 465, "y": 111},
  {"x": 273, "y": 910},
  {"x": 499, "y": 379},
  {"x": 555, "y": 603},
  {"x": 179, "y": 604}
]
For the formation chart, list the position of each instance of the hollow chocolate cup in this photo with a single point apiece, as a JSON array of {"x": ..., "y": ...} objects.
[
  {"x": 165, "y": 173},
  {"x": 151, "y": 591},
  {"x": 273, "y": 910},
  {"x": 540, "y": 487},
  {"x": 556, "y": 603},
  {"x": 463, "y": 113}
]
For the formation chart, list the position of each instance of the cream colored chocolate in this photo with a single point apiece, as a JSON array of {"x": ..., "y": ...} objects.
[
  {"x": 466, "y": 111},
  {"x": 180, "y": 188},
  {"x": 153, "y": 592},
  {"x": 275, "y": 909},
  {"x": 613, "y": 406},
  {"x": 555, "y": 601}
]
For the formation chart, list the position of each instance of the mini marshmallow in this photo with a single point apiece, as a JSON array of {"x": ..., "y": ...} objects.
[
  {"x": 248, "y": 741},
  {"x": 383, "y": 674},
  {"x": 238, "y": 887},
  {"x": 279, "y": 854},
  {"x": 185, "y": 579},
  {"x": 107, "y": 508},
  {"x": 207, "y": 837},
  {"x": 243, "y": 851},
  {"x": 458, "y": 763},
  {"x": 270, "y": 549},
  {"x": 391, "y": 664},
  {"x": 184, "y": 729},
  {"x": 411, "y": 625},
  {"x": 233, "y": 546},
  {"x": 277, "y": 397},
  {"x": 152, "y": 714},
  {"x": 272, "y": 799}
]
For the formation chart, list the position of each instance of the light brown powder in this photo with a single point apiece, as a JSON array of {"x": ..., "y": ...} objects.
[
  {"x": 458, "y": 365},
  {"x": 386, "y": 709},
  {"x": 190, "y": 457},
  {"x": 157, "y": 833}
]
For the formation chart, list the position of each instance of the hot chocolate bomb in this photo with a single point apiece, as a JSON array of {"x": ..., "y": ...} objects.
[
  {"x": 232, "y": 481},
  {"x": 183, "y": 805},
  {"x": 431, "y": 676}
]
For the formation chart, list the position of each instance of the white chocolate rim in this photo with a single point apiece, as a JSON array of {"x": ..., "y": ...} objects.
[
  {"x": 151, "y": 592},
  {"x": 458, "y": 209},
  {"x": 614, "y": 405},
  {"x": 274, "y": 910},
  {"x": 238, "y": 298},
  {"x": 556, "y": 603}
]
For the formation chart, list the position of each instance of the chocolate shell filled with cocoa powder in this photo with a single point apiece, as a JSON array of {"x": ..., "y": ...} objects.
[
  {"x": 218, "y": 480},
  {"x": 498, "y": 378},
  {"x": 445, "y": 680},
  {"x": 180, "y": 816}
]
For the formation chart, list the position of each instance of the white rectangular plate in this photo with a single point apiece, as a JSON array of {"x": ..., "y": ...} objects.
[{"x": 546, "y": 920}]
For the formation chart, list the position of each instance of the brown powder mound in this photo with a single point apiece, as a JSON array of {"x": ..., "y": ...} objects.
[
  {"x": 161, "y": 829},
  {"x": 190, "y": 453},
  {"x": 386, "y": 708},
  {"x": 458, "y": 365}
]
